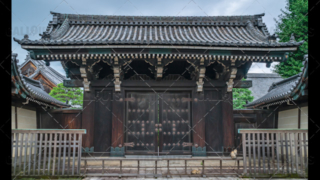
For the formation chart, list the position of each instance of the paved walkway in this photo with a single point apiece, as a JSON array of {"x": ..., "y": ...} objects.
[{"x": 183, "y": 178}]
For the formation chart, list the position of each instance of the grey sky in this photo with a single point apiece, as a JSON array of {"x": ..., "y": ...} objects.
[{"x": 32, "y": 17}]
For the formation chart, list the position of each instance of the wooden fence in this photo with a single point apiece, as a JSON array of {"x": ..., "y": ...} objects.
[
  {"x": 46, "y": 152},
  {"x": 275, "y": 151}
]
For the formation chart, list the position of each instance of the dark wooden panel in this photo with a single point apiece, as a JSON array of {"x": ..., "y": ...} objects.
[
  {"x": 103, "y": 121},
  {"x": 198, "y": 119},
  {"x": 175, "y": 120},
  {"x": 141, "y": 117},
  {"x": 213, "y": 121},
  {"x": 117, "y": 119},
  {"x": 228, "y": 123},
  {"x": 73, "y": 83},
  {"x": 88, "y": 117},
  {"x": 238, "y": 136}
]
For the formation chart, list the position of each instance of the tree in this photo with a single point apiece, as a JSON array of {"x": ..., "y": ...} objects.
[
  {"x": 293, "y": 20},
  {"x": 240, "y": 96},
  {"x": 72, "y": 96}
]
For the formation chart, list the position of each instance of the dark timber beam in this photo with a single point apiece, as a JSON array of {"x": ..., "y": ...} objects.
[
  {"x": 73, "y": 83},
  {"x": 198, "y": 121},
  {"x": 243, "y": 84},
  {"x": 88, "y": 118},
  {"x": 228, "y": 123}
]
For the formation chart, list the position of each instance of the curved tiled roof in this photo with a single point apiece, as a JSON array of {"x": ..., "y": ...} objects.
[
  {"x": 68, "y": 29},
  {"x": 31, "y": 89},
  {"x": 287, "y": 89},
  {"x": 54, "y": 76}
]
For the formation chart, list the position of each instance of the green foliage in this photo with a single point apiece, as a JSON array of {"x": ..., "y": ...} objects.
[
  {"x": 73, "y": 95},
  {"x": 294, "y": 19},
  {"x": 240, "y": 96}
]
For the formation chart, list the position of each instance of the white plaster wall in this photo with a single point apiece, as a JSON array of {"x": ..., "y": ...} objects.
[{"x": 288, "y": 119}]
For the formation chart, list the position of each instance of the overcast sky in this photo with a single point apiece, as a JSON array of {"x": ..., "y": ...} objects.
[{"x": 32, "y": 17}]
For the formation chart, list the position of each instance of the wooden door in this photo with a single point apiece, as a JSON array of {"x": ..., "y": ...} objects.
[
  {"x": 174, "y": 123},
  {"x": 141, "y": 117}
]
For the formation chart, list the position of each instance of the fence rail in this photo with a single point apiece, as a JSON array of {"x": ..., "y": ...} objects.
[
  {"x": 46, "y": 152},
  {"x": 275, "y": 151}
]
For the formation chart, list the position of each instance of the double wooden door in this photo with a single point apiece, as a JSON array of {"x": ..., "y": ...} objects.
[{"x": 158, "y": 123}]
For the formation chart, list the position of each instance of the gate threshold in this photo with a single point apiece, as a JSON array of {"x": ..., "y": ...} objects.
[{"x": 157, "y": 157}]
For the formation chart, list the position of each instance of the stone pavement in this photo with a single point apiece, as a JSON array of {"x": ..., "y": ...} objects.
[{"x": 187, "y": 178}]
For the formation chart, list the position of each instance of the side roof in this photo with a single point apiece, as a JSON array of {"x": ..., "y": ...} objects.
[
  {"x": 282, "y": 91},
  {"x": 54, "y": 76},
  {"x": 31, "y": 89},
  {"x": 71, "y": 29}
]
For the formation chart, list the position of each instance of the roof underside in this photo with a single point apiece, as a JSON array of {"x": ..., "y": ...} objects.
[{"x": 68, "y": 29}]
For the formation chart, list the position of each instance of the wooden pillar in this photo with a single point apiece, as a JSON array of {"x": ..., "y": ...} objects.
[
  {"x": 198, "y": 119},
  {"x": 228, "y": 123},
  {"x": 88, "y": 118},
  {"x": 118, "y": 119}
]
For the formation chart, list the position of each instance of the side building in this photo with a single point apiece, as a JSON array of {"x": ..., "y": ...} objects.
[
  {"x": 289, "y": 98},
  {"x": 28, "y": 99},
  {"x": 37, "y": 70}
]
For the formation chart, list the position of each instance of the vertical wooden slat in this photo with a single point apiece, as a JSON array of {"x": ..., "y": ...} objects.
[
  {"x": 79, "y": 152},
  {"x": 21, "y": 149},
  {"x": 35, "y": 153},
  {"x": 138, "y": 166},
  {"x": 69, "y": 151},
  {"x": 291, "y": 154},
  {"x": 64, "y": 152},
  {"x": 263, "y": 153},
  {"x": 74, "y": 152},
  {"x": 54, "y": 153},
  {"x": 120, "y": 166},
  {"x": 40, "y": 152},
  {"x": 281, "y": 149},
  {"x": 185, "y": 166},
  {"x": 268, "y": 152},
  {"x": 272, "y": 152},
  {"x": 16, "y": 154},
  {"x": 59, "y": 153},
  {"x": 305, "y": 150},
  {"x": 202, "y": 167},
  {"x": 102, "y": 166},
  {"x": 296, "y": 149},
  {"x": 254, "y": 152},
  {"x": 277, "y": 151},
  {"x": 25, "y": 153},
  {"x": 30, "y": 152},
  {"x": 300, "y": 152},
  {"x": 50, "y": 146},
  {"x": 244, "y": 146},
  {"x": 287, "y": 152},
  {"x": 221, "y": 166},
  {"x": 249, "y": 151},
  {"x": 258, "y": 148},
  {"x": 45, "y": 152}
]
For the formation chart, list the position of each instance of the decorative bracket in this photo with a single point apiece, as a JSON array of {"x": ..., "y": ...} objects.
[
  {"x": 232, "y": 76},
  {"x": 159, "y": 69},
  {"x": 116, "y": 71},
  {"x": 86, "y": 83},
  {"x": 202, "y": 71}
]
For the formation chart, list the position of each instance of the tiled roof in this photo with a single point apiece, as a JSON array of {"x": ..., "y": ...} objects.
[
  {"x": 54, "y": 76},
  {"x": 287, "y": 89},
  {"x": 69, "y": 29},
  {"x": 31, "y": 89}
]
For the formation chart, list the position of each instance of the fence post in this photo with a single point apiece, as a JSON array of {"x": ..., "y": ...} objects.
[{"x": 244, "y": 153}]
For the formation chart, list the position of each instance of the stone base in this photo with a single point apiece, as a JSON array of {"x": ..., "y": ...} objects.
[
  {"x": 117, "y": 152},
  {"x": 199, "y": 151}
]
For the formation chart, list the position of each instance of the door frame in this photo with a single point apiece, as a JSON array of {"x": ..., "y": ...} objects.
[{"x": 191, "y": 87}]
